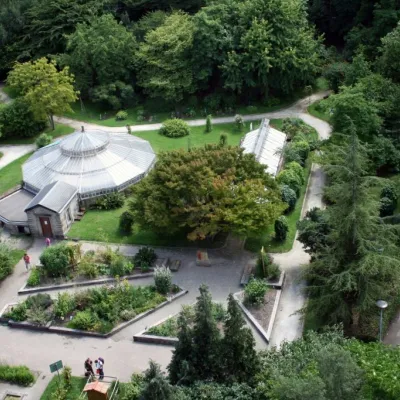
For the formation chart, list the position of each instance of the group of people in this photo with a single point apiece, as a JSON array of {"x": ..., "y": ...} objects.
[
  {"x": 98, "y": 365},
  {"x": 27, "y": 259}
]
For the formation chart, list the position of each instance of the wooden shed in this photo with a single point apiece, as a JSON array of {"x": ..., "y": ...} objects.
[{"x": 97, "y": 390}]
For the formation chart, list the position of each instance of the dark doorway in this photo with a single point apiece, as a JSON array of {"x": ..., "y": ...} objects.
[{"x": 46, "y": 227}]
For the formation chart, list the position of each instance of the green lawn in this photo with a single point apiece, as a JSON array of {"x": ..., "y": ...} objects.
[
  {"x": 318, "y": 114},
  {"x": 60, "y": 130},
  {"x": 267, "y": 238},
  {"x": 104, "y": 226},
  {"x": 77, "y": 385},
  {"x": 11, "y": 174},
  {"x": 16, "y": 255},
  {"x": 197, "y": 138}
]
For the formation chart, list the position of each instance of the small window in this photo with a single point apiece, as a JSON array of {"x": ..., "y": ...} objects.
[{"x": 21, "y": 229}]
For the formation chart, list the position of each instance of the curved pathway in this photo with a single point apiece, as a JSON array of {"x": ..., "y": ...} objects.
[{"x": 38, "y": 350}]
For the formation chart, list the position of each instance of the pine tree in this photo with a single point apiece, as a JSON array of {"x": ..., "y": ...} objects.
[
  {"x": 180, "y": 367},
  {"x": 156, "y": 386},
  {"x": 206, "y": 338},
  {"x": 360, "y": 264},
  {"x": 208, "y": 124},
  {"x": 239, "y": 354}
]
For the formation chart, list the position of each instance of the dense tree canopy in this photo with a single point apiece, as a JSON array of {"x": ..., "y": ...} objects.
[{"x": 206, "y": 191}]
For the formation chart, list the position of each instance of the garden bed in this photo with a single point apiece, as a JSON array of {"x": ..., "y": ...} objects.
[
  {"x": 99, "y": 312},
  {"x": 166, "y": 331},
  {"x": 262, "y": 316},
  {"x": 250, "y": 270}
]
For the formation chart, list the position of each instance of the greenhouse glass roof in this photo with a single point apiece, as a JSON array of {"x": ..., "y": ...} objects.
[
  {"x": 95, "y": 162},
  {"x": 266, "y": 144}
]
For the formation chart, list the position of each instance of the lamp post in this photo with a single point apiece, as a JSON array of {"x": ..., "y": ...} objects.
[{"x": 381, "y": 304}]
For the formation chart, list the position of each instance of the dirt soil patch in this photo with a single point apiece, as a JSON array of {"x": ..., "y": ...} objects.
[{"x": 262, "y": 313}]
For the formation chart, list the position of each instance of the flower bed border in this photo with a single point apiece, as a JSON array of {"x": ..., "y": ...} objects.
[
  {"x": 154, "y": 339},
  {"x": 48, "y": 328},
  {"x": 25, "y": 290},
  {"x": 266, "y": 335}
]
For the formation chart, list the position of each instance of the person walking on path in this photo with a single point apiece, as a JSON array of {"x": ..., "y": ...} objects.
[
  {"x": 27, "y": 261},
  {"x": 48, "y": 242},
  {"x": 101, "y": 368}
]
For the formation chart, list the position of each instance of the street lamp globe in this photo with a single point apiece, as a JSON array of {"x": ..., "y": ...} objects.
[{"x": 382, "y": 304}]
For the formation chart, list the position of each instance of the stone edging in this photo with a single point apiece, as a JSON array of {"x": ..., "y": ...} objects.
[
  {"x": 142, "y": 338},
  {"x": 25, "y": 290},
  {"x": 265, "y": 335},
  {"x": 67, "y": 331}
]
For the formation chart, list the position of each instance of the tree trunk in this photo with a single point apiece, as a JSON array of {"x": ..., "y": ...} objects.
[{"x": 51, "y": 119}]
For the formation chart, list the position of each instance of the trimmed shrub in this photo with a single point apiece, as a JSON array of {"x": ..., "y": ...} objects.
[
  {"x": 388, "y": 201},
  {"x": 40, "y": 300},
  {"x": 126, "y": 222},
  {"x": 162, "y": 279},
  {"x": 289, "y": 197},
  {"x": 239, "y": 122},
  {"x": 6, "y": 261},
  {"x": 83, "y": 320},
  {"x": 281, "y": 229},
  {"x": 208, "y": 124},
  {"x": 297, "y": 169},
  {"x": 18, "y": 375},
  {"x": 223, "y": 140},
  {"x": 110, "y": 201},
  {"x": 255, "y": 291},
  {"x": 43, "y": 140},
  {"x": 55, "y": 260},
  {"x": 34, "y": 277},
  {"x": 174, "y": 128},
  {"x": 17, "y": 120},
  {"x": 144, "y": 258},
  {"x": 121, "y": 116},
  {"x": 290, "y": 178}
]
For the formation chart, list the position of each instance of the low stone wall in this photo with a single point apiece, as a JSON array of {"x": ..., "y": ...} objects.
[
  {"x": 27, "y": 290},
  {"x": 48, "y": 328}
]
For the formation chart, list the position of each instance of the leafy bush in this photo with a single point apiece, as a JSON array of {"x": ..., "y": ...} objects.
[
  {"x": 17, "y": 312},
  {"x": 6, "y": 261},
  {"x": 55, "y": 260},
  {"x": 40, "y": 300},
  {"x": 17, "y": 120},
  {"x": 119, "y": 266},
  {"x": 126, "y": 222},
  {"x": 43, "y": 140},
  {"x": 223, "y": 140},
  {"x": 289, "y": 197},
  {"x": 168, "y": 328},
  {"x": 252, "y": 109},
  {"x": 121, "y": 116},
  {"x": 335, "y": 74},
  {"x": 302, "y": 148},
  {"x": 110, "y": 201},
  {"x": 388, "y": 201},
  {"x": 18, "y": 375},
  {"x": 64, "y": 305},
  {"x": 83, "y": 320},
  {"x": 290, "y": 178},
  {"x": 174, "y": 128},
  {"x": 265, "y": 267},
  {"x": 126, "y": 315},
  {"x": 34, "y": 278},
  {"x": 88, "y": 267},
  {"x": 281, "y": 229},
  {"x": 218, "y": 312},
  {"x": 255, "y": 291},
  {"x": 144, "y": 258},
  {"x": 162, "y": 279},
  {"x": 38, "y": 316},
  {"x": 297, "y": 169}
]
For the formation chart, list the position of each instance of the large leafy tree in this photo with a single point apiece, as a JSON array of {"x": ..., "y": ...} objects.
[
  {"x": 256, "y": 45},
  {"x": 48, "y": 21},
  {"x": 390, "y": 58},
  {"x": 361, "y": 262},
  {"x": 164, "y": 59},
  {"x": 46, "y": 90},
  {"x": 101, "y": 55},
  {"x": 206, "y": 191}
]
